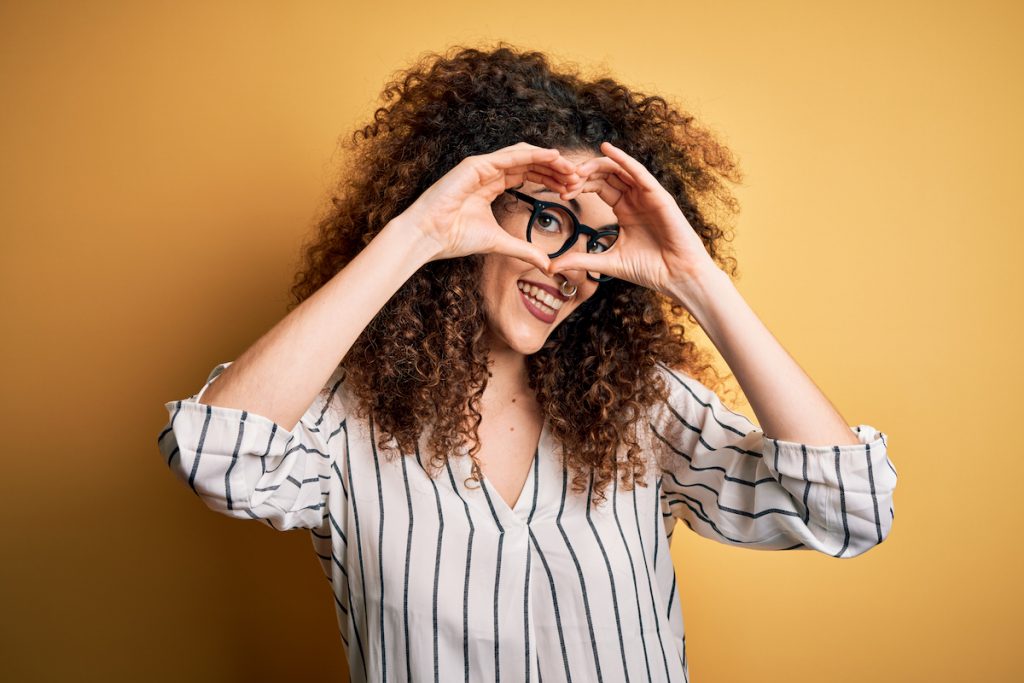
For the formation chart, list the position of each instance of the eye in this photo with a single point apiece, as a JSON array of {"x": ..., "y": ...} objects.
[
  {"x": 553, "y": 221},
  {"x": 603, "y": 241},
  {"x": 549, "y": 222}
]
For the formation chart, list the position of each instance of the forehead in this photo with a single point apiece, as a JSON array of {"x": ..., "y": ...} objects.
[{"x": 579, "y": 155}]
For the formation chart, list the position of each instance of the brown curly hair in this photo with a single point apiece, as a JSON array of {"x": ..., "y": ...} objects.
[{"x": 422, "y": 361}]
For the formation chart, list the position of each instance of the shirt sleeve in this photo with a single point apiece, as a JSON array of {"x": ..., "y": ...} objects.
[
  {"x": 247, "y": 466},
  {"x": 729, "y": 482}
]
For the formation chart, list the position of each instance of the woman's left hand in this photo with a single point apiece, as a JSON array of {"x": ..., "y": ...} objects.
[{"x": 656, "y": 246}]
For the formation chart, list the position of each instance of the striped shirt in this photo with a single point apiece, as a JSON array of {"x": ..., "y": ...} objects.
[{"x": 436, "y": 580}]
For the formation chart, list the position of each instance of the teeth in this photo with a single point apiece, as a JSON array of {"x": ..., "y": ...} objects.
[{"x": 545, "y": 301}]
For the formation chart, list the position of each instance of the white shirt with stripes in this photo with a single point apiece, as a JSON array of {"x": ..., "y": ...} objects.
[{"x": 434, "y": 580}]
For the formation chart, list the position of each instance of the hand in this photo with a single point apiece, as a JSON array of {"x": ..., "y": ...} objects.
[
  {"x": 656, "y": 246},
  {"x": 455, "y": 212}
]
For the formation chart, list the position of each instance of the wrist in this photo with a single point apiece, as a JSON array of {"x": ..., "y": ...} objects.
[
  {"x": 698, "y": 287},
  {"x": 407, "y": 239}
]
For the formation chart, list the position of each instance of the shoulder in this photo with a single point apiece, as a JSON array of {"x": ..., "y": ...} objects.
[
  {"x": 682, "y": 388},
  {"x": 692, "y": 402}
]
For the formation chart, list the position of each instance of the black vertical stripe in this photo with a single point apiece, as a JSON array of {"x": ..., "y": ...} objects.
[
  {"x": 671, "y": 597},
  {"x": 469, "y": 564},
  {"x": 579, "y": 573},
  {"x": 526, "y": 613},
  {"x": 437, "y": 566},
  {"x": 807, "y": 479},
  {"x": 408, "y": 559},
  {"x": 554, "y": 603},
  {"x": 529, "y": 556},
  {"x": 874, "y": 497},
  {"x": 234, "y": 461},
  {"x": 650, "y": 585},
  {"x": 608, "y": 567},
  {"x": 842, "y": 506},
  {"x": 362, "y": 571},
  {"x": 199, "y": 450},
  {"x": 529, "y": 546},
  {"x": 270, "y": 442},
  {"x": 686, "y": 674},
  {"x": 380, "y": 555},
  {"x": 497, "y": 584},
  {"x": 168, "y": 430},
  {"x": 633, "y": 569},
  {"x": 341, "y": 534}
]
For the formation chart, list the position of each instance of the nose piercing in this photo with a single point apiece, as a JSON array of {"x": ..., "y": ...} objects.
[{"x": 567, "y": 291}]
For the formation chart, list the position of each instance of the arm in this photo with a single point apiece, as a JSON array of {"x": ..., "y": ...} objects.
[
  {"x": 265, "y": 442},
  {"x": 282, "y": 372},
  {"x": 788, "y": 405},
  {"x": 726, "y": 478},
  {"x": 279, "y": 375},
  {"x": 260, "y": 440},
  {"x": 731, "y": 483}
]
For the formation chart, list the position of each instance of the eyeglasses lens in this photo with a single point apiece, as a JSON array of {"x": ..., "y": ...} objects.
[{"x": 553, "y": 227}]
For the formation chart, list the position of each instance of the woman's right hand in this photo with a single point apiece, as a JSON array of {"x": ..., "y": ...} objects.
[{"x": 455, "y": 212}]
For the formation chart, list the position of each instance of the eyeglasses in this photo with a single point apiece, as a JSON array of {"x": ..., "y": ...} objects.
[{"x": 555, "y": 229}]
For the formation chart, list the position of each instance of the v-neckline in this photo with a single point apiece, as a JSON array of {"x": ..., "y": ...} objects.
[{"x": 529, "y": 485}]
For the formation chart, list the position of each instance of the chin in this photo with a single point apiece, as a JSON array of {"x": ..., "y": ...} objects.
[
  {"x": 527, "y": 345},
  {"x": 526, "y": 341}
]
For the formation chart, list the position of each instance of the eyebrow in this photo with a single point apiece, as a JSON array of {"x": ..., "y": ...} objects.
[{"x": 576, "y": 206}]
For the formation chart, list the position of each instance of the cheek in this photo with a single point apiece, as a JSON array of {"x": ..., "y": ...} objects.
[
  {"x": 497, "y": 279},
  {"x": 586, "y": 291}
]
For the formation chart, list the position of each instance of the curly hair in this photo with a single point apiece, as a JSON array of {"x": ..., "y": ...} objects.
[{"x": 422, "y": 361}]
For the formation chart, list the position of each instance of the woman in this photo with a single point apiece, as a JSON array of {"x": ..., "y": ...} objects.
[{"x": 486, "y": 314}]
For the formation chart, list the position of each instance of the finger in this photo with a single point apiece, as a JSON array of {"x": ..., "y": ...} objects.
[
  {"x": 605, "y": 166},
  {"x": 551, "y": 182},
  {"x": 605, "y": 263},
  {"x": 611, "y": 179},
  {"x": 547, "y": 181},
  {"x": 524, "y": 251},
  {"x": 610, "y": 189},
  {"x": 564, "y": 177},
  {"x": 518, "y": 172},
  {"x": 511, "y": 157},
  {"x": 632, "y": 166}
]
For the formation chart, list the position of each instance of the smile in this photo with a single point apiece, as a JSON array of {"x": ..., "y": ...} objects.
[{"x": 541, "y": 304}]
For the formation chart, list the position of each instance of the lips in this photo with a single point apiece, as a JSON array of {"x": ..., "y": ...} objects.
[
  {"x": 553, "y": 291},
  {"x": 543, "y": 316}
]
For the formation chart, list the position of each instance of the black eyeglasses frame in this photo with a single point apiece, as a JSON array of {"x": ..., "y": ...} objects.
[{"x": 539, "y": 205}]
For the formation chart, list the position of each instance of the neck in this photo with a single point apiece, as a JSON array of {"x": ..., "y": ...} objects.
[{"x": 508, "y": 377}]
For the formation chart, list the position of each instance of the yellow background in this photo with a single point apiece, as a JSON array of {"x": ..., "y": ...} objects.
[{"x": 162, "y": 162}]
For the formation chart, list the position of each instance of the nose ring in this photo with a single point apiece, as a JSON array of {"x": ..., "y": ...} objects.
[{"x": 567, "y": 290}]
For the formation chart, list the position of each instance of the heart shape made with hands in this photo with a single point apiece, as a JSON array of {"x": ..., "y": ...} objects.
[{"x": 657, "y": 247}]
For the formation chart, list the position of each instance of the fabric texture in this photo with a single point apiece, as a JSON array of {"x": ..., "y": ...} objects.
[{"x": 434, "y": 579}]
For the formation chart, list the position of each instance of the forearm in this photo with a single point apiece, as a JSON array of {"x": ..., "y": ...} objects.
[
  {"x": 282, "y": 372},
  {"x": 787, "y": 403}
]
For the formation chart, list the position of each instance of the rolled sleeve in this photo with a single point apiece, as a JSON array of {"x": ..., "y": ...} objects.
[
  {"x": 245, "y": 465},
  {"x": 730, "y": 483}
]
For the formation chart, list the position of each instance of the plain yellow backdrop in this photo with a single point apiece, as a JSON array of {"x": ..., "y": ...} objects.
[{"x": 163, "y": 161}]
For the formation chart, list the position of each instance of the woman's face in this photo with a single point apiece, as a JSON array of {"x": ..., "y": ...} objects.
[{"x": 515, "y": 321}]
